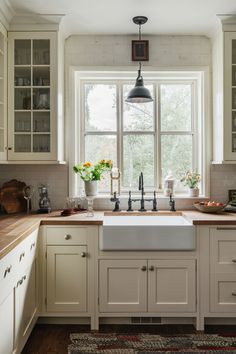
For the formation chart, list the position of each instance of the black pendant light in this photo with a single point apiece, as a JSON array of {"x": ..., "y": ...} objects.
[{"x": 139, "y": 94}]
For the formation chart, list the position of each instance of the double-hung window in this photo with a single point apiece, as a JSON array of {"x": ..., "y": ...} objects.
[{"x": 158, "y": 138}]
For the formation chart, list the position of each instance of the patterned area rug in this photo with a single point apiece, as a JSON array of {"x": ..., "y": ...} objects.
[{"x": 143, "y": 343}]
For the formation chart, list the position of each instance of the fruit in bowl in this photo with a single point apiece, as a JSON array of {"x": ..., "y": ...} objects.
[{"x": 209, "y": 206}]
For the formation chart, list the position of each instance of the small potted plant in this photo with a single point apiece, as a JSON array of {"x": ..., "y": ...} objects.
[
  {"x": 191, "y": 179},
  {"x": 91, "y": 173}
]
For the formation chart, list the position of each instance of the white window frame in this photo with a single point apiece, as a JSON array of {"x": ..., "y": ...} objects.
[{"x": 203, "y": 134}]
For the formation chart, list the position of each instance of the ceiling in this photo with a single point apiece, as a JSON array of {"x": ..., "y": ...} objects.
[{"x": 172, "y": 17}]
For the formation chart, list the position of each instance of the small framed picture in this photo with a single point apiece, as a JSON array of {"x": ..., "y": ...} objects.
[{"x": 140, "y": 50}]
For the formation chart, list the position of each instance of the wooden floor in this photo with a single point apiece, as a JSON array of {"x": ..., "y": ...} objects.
[{"x": 54, "y": 339}]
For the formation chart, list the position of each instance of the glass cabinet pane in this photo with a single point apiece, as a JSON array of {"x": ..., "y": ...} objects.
[
  {"x": 41, "y": 121},
  {"x": 234, "y": 51},
  {"x": 22, "y": 52},
  {"x": 22, "y": 98},
  {"x": 41, "y": 52},
  {"x": 41, "y": 98},
  {"x": 22, "y": 143},
  {"x": 22, "y": 76},
  {"x": 22, "y": 121},
  {"x": 41, "y": 143},
  {"x": 41, "y": 76}
]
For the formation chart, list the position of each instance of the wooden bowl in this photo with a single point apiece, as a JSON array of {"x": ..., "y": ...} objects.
[{"x": 209, "y": 209}]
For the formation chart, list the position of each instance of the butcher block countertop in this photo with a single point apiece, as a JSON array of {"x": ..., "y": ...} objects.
[{"x": 15, "y": 228}]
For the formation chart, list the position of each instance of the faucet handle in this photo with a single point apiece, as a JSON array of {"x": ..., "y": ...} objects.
[
  {"x": 154, "y": 202},
  {"x": 130, "y": 202}
]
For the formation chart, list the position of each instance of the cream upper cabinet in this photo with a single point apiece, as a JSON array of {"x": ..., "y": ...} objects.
[
  {"x": 32, "y": 96},
  {"x": 3, "y": 93},
  {"x": 154, "y": 286},
  {"x": 224, "y": 93}
]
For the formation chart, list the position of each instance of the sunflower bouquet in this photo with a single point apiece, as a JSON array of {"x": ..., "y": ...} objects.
[{"x": 92, "y": 172}]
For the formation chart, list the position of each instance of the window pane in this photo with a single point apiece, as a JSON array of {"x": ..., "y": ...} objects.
[
  {"x": 176, "y": 156},
  {"x": 138, "y": 156},
  {"x": 175, "y": 107},
  {"x": 99, "y": 147},
  {"x": 137, "y": 116},
  {"x": 100, "y": 107}
]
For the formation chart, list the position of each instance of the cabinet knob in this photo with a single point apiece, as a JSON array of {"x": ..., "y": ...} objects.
[
  {"x": 234, "y": 293},
  {"x": 68, "y": 237},
  {"x": 83, "y": 254},
  {"x": 234, "y": 260},
  {"x": 9, "y": 148},
  {"x": 143, "y": 268},
  {"x": 151, "y": 268}
]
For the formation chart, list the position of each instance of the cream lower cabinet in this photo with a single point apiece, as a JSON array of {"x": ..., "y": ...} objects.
[
  {"x": 67, "y": 278},
  {"x": 164, "y": 286},
  {"x": 68, "y": 271},
  {"x": 223, "y": 270},
  {"x": 18, "y": 295},
  {"x": 217, "y": 272},
  {"x": 7, "y": 324}
]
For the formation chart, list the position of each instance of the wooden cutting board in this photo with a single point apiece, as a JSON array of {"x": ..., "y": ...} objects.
[{"x": 12, "y": 198}]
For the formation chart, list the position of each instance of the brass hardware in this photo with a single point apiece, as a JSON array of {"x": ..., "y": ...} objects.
[
  {"x": 234, "y": 293},
  {"x": 143, "y": 268},
  {"x": 234, "y": 260},
  {"x": 83, "y": 254},
  {"x": 68, "y": 237},
  {"x": 151, "y": 268},
  {"x": 9, "y": 148}
]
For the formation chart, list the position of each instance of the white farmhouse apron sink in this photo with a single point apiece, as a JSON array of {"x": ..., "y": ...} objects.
[{"x": 146, "y": 233}]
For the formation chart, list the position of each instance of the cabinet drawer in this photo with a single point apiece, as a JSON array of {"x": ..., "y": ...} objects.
[
  {"x": 223, "y": 250},
  {"x": 66, "y": 235},
  {"x": 8, "y": 274},
  {"x": 223, "y": 293}
]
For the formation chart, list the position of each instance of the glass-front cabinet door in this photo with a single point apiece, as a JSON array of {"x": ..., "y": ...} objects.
[
  {"x": 230, "y": 96},
  {"x": 32, "y": 92},
  {"x": 3, "y": 93}
]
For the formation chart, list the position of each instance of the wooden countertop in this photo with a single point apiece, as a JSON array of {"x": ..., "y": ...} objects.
[{"x": 14, "y": 228}]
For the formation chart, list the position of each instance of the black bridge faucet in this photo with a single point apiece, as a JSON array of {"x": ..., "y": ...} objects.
[{"x": 142, "y": 199}]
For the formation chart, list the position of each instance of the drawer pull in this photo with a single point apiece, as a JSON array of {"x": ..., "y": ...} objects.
[
  {"x": 151, "y": 268},
  {"x": 83, "y": 254},
  {"x": 226, "y": 228},
  {"x": 234, "y": 293},
  {"x": 143, "y": 268},
  {"x": 68, "y": 237},
  {"x": 7, "y": 270},
  {"x": 234, "y": 260},
  {"x": 32, "y": 246},
  {"x": 22, "y": 256}
]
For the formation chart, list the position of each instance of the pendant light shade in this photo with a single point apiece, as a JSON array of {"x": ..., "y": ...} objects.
[{"x": 139, "y": 94}]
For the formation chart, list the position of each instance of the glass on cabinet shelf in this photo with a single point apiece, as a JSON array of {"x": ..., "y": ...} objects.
[
  {"x": 22, "y": 76},
  {"x": 22, "y": 52},
  {"x": 41, "y": 143},
  {"x": 41, "y": 98},
  {"x": 22, "y": 98},
  {"x": 41, "y": 121},
  {"x": 41, "y": 52},
  {"x": 22, "y": 142},
  {"x": 22, "y": 122},
  {"x": 41, "y": 76}
]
